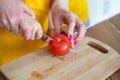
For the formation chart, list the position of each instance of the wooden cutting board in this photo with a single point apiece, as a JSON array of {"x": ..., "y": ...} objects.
[{"x": 93, "y": 60}]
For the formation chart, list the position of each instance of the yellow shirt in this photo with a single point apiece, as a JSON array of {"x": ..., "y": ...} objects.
[{"x": 13, "y": 46}]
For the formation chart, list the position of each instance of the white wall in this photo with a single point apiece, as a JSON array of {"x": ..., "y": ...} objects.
[{"x": 100, "y": 10}]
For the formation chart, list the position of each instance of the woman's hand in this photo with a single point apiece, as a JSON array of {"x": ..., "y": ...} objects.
[
  {"x": 61, "y": 15},
  {"x": 11, "y": 18}
]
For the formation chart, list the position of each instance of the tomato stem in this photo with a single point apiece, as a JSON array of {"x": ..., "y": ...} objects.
[{"x": 59, "y": 40}]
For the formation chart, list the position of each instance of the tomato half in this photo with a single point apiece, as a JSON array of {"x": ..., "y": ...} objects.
[{"x": 60, "y": 45}]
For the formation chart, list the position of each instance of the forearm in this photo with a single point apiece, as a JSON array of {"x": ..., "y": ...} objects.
[{"x": 60, "y": 3}]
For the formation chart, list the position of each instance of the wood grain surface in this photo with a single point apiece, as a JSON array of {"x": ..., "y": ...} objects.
[{"x": 87, "y": 63}]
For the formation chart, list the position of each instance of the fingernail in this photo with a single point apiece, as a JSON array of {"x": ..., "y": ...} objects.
[
  {"x": 76, "y": 42},
  {"x": 70, "y": 37}
]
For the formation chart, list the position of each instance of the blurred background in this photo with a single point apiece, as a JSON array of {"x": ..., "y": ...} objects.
[{"x": 100, "y": 10}]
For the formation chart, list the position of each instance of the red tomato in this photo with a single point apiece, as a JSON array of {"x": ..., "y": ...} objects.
[{"x": 60, "y": 45}]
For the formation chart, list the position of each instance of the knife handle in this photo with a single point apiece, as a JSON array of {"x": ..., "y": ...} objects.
[{"x": 46, "y": 38}]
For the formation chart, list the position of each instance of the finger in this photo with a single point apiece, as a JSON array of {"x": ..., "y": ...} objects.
[
  {"x": 5, "y": 24},
  {"x": 26, "y": 30},
  {"x": 13, "y": 24},
  {"x": 27, "y": 10},
  {"x": 71, "y": 25},
  {"x": 33, "y": 25},
  {"x": 1, "y": 25},
  {"x": 39, "y": 33},
  {"x": 65, "y": 30},
  {"x": 57, "y": 21},
  {"x": 33, "y": 33},
  {"x": 50, "y": 31},
  {"x": 36, "y": 30},
  {"x": 14, "y": 29},
  {"x": 80, "y": 29}
]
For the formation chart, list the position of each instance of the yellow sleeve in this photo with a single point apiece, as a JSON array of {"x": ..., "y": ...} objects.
[{"x": 80, "y": 8}]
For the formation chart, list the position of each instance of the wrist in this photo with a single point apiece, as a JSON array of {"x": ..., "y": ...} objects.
[{"x": 60, "y": 4}]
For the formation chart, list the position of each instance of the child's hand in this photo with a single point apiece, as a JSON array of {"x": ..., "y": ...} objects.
[{"x": 58, "y": 16}]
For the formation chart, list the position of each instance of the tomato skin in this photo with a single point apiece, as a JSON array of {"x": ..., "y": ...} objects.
[{"x": 60, "y": 45}]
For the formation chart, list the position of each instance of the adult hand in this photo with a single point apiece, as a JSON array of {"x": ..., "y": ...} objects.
[
  {"x": 11, "y": 18},
  {"x": 59, "y": 15}
]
